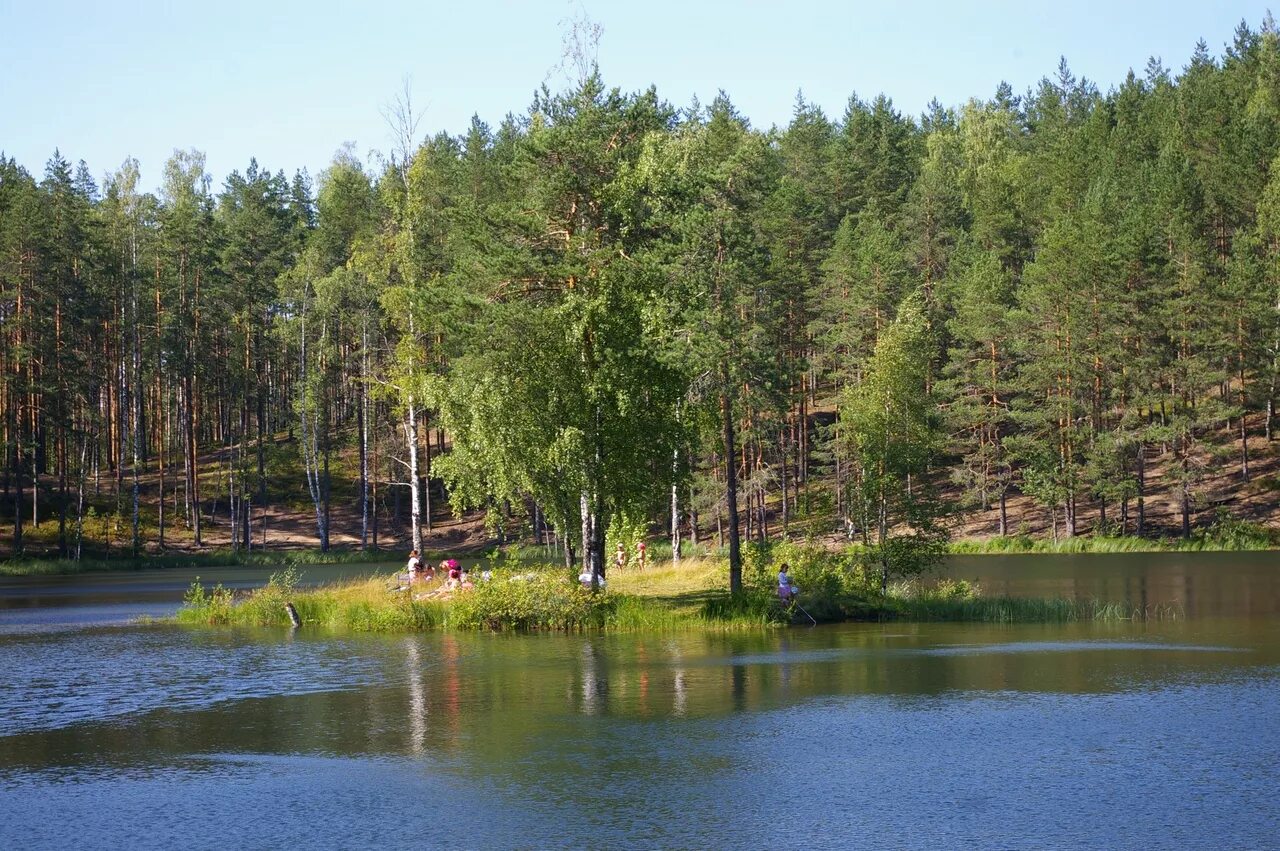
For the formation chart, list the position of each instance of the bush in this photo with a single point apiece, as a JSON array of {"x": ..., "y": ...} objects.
[
  {"x": 206, "y": 607},
  {"x": 530, "y": 602},
  {"x": 833, "y": 586},
  {"x": 1232, "y": 533},
  {"x": 266, "y": 605}
]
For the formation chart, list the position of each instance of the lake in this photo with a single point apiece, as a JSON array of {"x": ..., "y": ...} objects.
[{"x": 1133, "y": 734}]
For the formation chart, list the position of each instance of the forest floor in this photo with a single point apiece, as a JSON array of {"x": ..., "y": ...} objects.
[
  {"x": 288, "y": 520},
  {"x": 1219, "y": 488}
]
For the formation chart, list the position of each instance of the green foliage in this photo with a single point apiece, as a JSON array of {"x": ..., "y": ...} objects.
[
  {"x": 893, "y": 436},
  {"x": 751, "y": 605},
  {"x": 560, "y": 391},
  {"x": 1231, "y": 533},
  {"x": 201, "y": 606},
  {"x": 958, "y": 601},
  {"x": 530, "y": 602}
]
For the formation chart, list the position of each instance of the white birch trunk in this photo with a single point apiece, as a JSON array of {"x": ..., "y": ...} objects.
[
  {"x": 675, "y": 508},
  {"x": 415, "y": 498}
]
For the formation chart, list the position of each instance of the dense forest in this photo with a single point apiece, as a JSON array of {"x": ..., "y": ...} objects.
[{"x": 610, "y": 315}]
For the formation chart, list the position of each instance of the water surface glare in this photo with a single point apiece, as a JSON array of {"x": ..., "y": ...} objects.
[{"x": 1130, "y": 734}]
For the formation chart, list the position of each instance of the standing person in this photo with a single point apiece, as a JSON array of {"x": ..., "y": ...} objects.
[
  {"x": 455, "y": 572},
  {"x": 620, "y": 559},
  {"x": 414, "y": 566},
  {"x": 640, "y": 555}
]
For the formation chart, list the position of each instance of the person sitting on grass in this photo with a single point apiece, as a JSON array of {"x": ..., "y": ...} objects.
[
  {"x": 787, "y": 591},
  {"x": 414, "y": 566}
]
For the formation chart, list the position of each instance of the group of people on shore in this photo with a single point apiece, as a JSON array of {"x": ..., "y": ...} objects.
[
  {"x": 620, "y": 557},
  {"x": 456, "y": 576}
]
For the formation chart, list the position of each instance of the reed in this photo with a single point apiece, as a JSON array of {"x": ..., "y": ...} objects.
[{"x": 1024, "y": 610}]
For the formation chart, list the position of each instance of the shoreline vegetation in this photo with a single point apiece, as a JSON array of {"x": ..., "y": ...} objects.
[
  {"x": 1223, "y": 536},
  {"x": 666, "y": 597}
]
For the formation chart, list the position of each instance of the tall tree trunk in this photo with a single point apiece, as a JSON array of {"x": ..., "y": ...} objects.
[
  {"x": 362, "y": 413},
  {"x": 83, "y": 473},
  {"x": 136, "y": 436},
  {"x": 426, "y": 473},
  {"x": 17, "y": 492},
  {"x": 693, "y": 520},
  {"x": 1244, "y": 443},
  {"x": 326, "y": 489},
  {"x": 193, "y": 471},
  {"x": 731, "y": 485},
  {"x": 598, "y": 523},
  {"x": 782, "y": 448},
  {"x": 309, "y": 425},
  {"x": 373, "y": 487},
  {"x": 1185, "y": 487},
  {"x": 584, "y": 516},
  {"x": 675, "y": 508},
  {"x": 411, "y": 444},
  {"x": 1141, "y": 495},
  {"x": 162, "y": 425},
  {"x": 595, "y": 553},
  {"x": 1271, "y": 398},
  {"x": 882, "y": 533}
]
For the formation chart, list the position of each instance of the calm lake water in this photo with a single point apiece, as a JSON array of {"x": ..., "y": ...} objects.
[{"x": 1156, "y": 734}]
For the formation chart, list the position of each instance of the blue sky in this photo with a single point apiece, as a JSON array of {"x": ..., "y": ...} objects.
[{"x": 291, "y": 81}]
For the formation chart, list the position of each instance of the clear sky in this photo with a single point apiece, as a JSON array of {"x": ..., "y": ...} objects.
[{"x": 289, "y": 81}]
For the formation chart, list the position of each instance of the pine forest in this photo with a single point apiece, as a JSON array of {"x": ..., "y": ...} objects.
[{"x": 1049, "y": 314}]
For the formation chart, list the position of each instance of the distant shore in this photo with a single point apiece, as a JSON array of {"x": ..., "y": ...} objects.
[{"x": 1252, "y": 538}]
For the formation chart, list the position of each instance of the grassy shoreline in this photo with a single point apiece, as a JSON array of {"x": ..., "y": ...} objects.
[
  {"x": 212, "y": 558},
  {"x": 665, "y": 598},
  {"x": 1022, "y": 545},
  {"x": 1236, "y": 538}
]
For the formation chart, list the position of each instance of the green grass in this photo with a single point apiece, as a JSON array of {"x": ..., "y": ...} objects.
[
  {"x": 1248, "y": 539},
  {"x": 1023, "y": 610}
]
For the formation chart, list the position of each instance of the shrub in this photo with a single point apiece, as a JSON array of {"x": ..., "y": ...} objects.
[
  {"x": 531, "y": 601},
  {"x": 206, "y": 607},
  {"x": 265, "y": 606},
  {"x": 1232, "y": 533}
]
